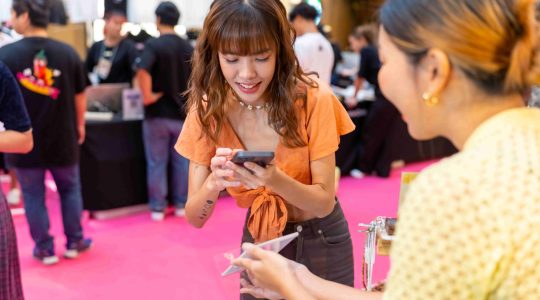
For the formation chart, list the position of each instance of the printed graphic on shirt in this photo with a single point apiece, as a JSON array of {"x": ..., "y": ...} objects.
[{"x": 40, "y": 81}]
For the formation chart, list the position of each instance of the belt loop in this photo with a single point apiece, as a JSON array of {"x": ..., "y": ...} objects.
[
  {"x": 315, "y": 227},
  {"x": 300, "y": 243}
]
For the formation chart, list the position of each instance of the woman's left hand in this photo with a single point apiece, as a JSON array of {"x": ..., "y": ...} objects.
[
  {"x": 269, "y": 272},
  {"x": 253, "y": 176}
]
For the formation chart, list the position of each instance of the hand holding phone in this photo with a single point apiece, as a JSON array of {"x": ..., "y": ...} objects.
[
  {"x": 221, "y": 177},
  {"x": 259, "y": 173}
]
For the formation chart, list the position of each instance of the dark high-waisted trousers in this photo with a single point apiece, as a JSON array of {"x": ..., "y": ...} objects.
[{"x": 324, "y": 246}]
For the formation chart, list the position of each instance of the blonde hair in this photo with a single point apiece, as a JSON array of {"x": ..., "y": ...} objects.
[{"x": 493, "y": 42}]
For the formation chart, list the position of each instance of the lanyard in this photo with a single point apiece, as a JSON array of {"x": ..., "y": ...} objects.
[{"x": 114, "y": 51}]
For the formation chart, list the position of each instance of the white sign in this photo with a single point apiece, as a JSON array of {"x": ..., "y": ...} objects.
[{"x": 132, "y": 105}]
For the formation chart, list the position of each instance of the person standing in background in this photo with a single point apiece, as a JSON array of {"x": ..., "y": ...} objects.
[
  {"x": 163, "y": 72},
  {"x": 382, "y": 114},
  {"x": 111, "y": 60},
  {"x": 363, "y": 41},
  {"x": 16, "y": 138},
  {"x": 313, "y": 50},
  {"x": 52, "y": 80}
]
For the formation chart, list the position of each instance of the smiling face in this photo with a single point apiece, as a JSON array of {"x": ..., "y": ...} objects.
[{"x": 249, "y": 76}]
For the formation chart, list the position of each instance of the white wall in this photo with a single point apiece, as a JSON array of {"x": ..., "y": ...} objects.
[
  {"x": 77, "y": 10},
  {"x": 5, "y": 10},
  {"x": 139, "y": 11},
  {"x": 192, "y": 12},
  {"x": 82, "y": 10}
]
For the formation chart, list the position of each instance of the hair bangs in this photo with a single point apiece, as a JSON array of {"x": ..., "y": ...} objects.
[{"x": 244, "y": 33}]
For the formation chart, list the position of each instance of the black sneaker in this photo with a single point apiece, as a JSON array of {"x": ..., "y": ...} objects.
[
  {"x": 45, "y": 256},
  {"x": 74, "y": 248}
]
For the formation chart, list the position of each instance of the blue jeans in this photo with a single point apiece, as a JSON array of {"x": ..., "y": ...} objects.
[
  {"x": 68, "y": 182},
  {"x": 160, "y": 135}
]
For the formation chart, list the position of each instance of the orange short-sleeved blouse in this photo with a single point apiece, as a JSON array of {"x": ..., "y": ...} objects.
[{"x": 321, "y": 124}]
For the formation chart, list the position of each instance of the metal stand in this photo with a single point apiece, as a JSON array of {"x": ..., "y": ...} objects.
[{"x": 375, "y": 229}]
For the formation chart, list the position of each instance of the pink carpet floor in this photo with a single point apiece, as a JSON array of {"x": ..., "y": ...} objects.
[{"x": 135, "y": 258}]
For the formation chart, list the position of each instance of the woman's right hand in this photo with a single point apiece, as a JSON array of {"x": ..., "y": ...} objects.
[{"x": 221, "y": 176}]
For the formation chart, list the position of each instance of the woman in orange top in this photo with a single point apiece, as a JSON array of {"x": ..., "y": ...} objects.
[{"x": 248, "y": 92}]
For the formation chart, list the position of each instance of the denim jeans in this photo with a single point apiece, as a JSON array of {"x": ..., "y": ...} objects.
[
  {"x": 68, "y": 182},
  {"x": 160, "y": 135}
]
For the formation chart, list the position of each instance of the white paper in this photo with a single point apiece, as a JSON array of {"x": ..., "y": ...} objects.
[{"x": 274, "y": 245}]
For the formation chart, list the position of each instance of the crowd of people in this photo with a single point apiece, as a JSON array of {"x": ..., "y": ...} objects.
[{"x": 259, "y": 79}]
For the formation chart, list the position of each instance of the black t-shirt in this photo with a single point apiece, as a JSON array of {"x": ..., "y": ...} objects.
[
  {"x": 168, "y": 60},
  {"x": 12, "y": 110},
  {"x": 50, "y": 74},
  {"x": 370, "y": 66},
  {"x": 120, "y": 61},
  {"x": 142, "y": 37}
]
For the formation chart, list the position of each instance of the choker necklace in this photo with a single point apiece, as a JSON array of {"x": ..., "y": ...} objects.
[{"x": 253, "y": 107}]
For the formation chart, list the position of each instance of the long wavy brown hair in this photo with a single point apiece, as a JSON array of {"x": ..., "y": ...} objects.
[{"x": 246, "y": 27}]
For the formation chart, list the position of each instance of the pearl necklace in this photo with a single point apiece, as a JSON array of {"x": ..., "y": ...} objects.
[{"x": 252, "y": 107}]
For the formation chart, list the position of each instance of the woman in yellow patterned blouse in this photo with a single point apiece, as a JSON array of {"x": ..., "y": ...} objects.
[{"x": 469, "y": 226}]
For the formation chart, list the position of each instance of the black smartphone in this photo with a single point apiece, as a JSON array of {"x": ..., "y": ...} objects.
[{"x": 262, "y": 158}]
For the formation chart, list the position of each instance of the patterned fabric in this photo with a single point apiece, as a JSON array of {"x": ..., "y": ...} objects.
[
  {"x": 10, "y": 274},
  {"x": 468, "y": 228}
]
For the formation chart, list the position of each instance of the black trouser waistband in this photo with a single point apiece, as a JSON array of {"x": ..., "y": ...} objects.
[{"x": 310, "y": 228}]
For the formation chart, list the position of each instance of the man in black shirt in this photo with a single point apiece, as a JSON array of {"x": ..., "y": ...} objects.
[
  {"x": 52, "y": 81},
  {"x": 164, "y": 70},
  {"x": 111, "y": 60}
]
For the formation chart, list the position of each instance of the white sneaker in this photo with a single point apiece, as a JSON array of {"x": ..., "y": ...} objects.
[
  {"x": 46, "y": 257},
  {"x": 50, "y": 260},
  {"x": 180, "y": 212},
  {"x": 157, "y": 216},
  {"x": 14, "y": 197},
  {"x": 355, "y": 173}
]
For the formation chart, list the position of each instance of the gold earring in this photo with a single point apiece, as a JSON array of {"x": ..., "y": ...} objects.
[{"x": 429, "y": 99}]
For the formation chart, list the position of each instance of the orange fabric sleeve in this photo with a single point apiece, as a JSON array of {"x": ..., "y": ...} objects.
[
  {"x": 192, "y": 145},
  {"x": 327, "y": 120}
]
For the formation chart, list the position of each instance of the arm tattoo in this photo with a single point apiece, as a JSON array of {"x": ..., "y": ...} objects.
[{"x": 207, "y": 206}]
